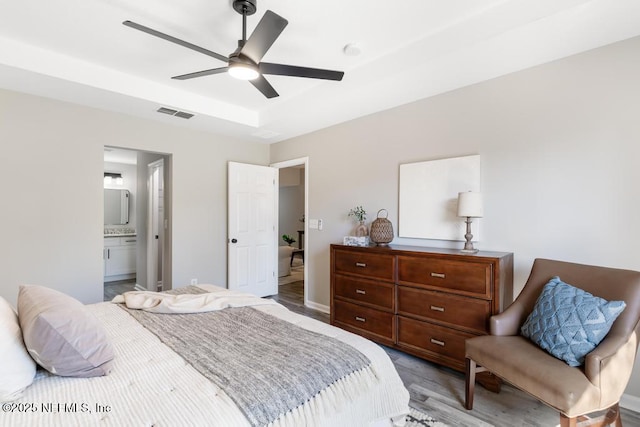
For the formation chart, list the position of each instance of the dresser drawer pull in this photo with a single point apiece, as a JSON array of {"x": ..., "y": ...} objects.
[
  {"x": 437, "y": 342},
  {"x": 360, "y": 319},
  {"x": 360, "y": 291},
  {"x": 439, "y": 275},
  {"x": 361, "y": 264},
  {"x": 436, "y": 308}
]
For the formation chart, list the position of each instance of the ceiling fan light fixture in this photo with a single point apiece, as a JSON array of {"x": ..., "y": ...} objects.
[{"x": 243, "y": 71}]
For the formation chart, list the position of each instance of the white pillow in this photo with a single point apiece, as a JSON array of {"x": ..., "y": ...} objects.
[
  {"x": 61, "y": 335},
  {"x": 17, "y": 368}
]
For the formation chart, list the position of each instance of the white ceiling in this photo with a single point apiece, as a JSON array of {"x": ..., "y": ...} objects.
[{"x": 79, "y": 51}]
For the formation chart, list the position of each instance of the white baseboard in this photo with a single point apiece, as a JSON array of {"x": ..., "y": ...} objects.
[
  {"x": 316, "y": 306},
  {"x": 630, "y": 402}
]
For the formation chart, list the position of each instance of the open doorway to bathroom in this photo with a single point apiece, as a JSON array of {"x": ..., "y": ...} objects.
[
  {"x": 292, "y": 203},
  {"x": 137, "y": 244}
]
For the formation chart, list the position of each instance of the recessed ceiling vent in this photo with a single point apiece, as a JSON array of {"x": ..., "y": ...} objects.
[
  {"x": 183, "y": 115},
  {"x": 172, "y": 112}
]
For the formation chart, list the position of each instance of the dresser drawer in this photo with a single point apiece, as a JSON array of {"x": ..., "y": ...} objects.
[
  {"x": 120, "y": 241},
  {"x": 372, "y": 265},
  {"x": 377, "y": 322},
  {"x": 464, "y": 312},
  {"x": 439, "y": 341},
  {"x": 464, "y": 277},
  {"x": 364, "y": 291}
]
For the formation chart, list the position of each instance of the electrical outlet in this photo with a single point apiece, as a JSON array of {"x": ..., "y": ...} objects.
[{"x": 194, "y": 281}]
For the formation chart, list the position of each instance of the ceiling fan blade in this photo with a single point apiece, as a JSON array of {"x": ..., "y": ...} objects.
[
  {"x": 175, "y": 40},
  {"x": 201, "y": 73},
  {"x": 264, "y": 86},
  {"x": 294, "y": 71},
  {"x": 267, "y": 31}
]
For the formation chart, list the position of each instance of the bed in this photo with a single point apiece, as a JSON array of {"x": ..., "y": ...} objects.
[{"x": 150, "y": 384}]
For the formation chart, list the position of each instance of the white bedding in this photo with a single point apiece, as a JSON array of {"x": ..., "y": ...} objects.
[{"x": 151, "y": 385}]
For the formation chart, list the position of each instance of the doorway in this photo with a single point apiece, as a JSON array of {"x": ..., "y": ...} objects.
[
  {"x": 142, "y": 266},
  {"x": 293, "y": 259}
]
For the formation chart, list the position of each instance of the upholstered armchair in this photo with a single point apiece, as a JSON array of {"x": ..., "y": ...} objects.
[
  {"x": 284, "y": 260},
  {"x": 595, "y": 386}
]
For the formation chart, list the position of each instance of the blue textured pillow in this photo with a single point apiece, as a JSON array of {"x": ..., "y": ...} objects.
[{"x": 569, "y": 322}]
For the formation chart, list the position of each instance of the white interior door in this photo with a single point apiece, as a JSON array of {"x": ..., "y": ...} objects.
[
  {"x": 155, "y": 236},
  {"x": 252, "y": 245}
]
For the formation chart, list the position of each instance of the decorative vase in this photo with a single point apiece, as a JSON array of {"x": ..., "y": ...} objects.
[
  {"x": 381, "y": 230},
  {"x": 361, "y": 230}
]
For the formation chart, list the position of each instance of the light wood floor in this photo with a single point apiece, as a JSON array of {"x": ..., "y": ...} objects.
[
  {"x": 111, "y": 289},
  {"x": 439, "y": 391}
]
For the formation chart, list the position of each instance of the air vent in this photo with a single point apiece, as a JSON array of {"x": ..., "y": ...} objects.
[
  {"x": 183, "y": 115},
  {"x": 176, "y": 113},
  {"x": 168, "y": 111}
]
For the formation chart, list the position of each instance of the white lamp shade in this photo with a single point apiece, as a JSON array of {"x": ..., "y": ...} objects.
[{"x": 470, "y": 204}]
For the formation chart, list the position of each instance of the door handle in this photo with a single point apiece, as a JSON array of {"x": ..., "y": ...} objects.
[{"x": 234, "y": 240}]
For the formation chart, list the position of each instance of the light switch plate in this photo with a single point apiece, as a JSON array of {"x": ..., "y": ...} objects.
[{"x": 313, "y": 224}]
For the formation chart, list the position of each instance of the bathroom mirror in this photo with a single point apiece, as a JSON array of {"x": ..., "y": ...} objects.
[{"x": 116, "y": 207}]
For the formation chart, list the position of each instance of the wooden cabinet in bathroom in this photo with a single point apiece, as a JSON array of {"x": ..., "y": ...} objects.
[{"x": 119, "y": 258}]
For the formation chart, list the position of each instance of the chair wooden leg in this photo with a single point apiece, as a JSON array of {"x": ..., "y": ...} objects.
[
  {"x": 613, "y": 414},
  {"x": 469, "y": 383},
  {"x": 611, "y": 417},
  {"x": 568, "y": 422}
]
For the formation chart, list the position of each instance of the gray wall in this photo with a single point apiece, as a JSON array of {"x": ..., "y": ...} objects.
[
  {"x": 52, "y": 167},
  {"x": 559, "y": 147}
]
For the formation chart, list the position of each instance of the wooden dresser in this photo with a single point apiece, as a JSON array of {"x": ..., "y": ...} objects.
[{"x": 424, "y": 301}]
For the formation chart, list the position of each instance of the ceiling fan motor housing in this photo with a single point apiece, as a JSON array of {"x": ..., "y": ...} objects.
[
  {"x": 245, "y": 7},
  {"x": 238, "y": 58}
]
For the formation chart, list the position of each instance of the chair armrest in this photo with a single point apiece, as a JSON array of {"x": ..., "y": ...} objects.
[
  {"x": 609, "y": 365},
  {"x": 509, "y": 321}
]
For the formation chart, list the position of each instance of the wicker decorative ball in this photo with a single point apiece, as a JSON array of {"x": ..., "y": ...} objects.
[{"x": 381, "y": 232}]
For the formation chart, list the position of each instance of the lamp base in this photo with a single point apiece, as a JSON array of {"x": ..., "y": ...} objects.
[{"x": 468, "y": 245}]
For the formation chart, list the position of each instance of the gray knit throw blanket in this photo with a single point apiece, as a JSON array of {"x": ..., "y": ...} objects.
[{"x": 266, "y": 365}]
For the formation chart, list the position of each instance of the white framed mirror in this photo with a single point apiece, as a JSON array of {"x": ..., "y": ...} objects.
[
  {"x": 428, "y": 196},
  {"x": 116, "y": 206}
]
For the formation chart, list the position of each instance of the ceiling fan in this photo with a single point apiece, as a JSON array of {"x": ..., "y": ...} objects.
[{"x": 245, "y": 62}]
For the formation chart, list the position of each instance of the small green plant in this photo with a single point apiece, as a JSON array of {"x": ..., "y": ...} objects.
[
  {"x": 288, "y": 239},
  {"x": 359, "y": 213}
]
